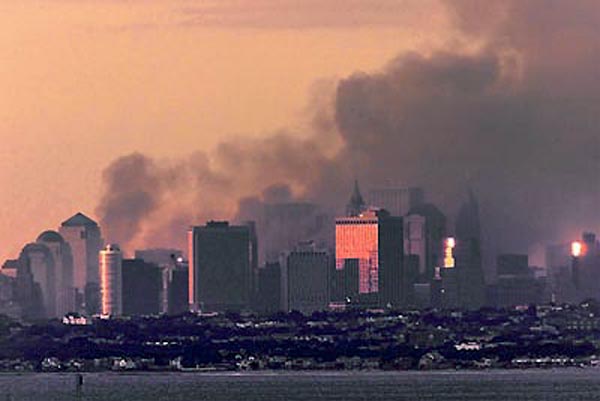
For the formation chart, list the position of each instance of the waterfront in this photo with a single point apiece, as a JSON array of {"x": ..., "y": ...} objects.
[{"x": 513, "y": 385}]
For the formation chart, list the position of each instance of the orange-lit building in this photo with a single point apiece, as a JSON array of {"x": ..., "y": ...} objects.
[
  {"x": 585, "y": 267},
  {"x": 111, "y": 284},
  {"x": 369, "y": 259}
]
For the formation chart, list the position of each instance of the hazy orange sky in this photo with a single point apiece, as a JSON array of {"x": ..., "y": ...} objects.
[{"x": 85, "y": 81}]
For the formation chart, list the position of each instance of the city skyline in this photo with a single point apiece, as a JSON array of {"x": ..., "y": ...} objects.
[
  {"x": 502, "y": 99},
  {"x": 299, "y": 199}
]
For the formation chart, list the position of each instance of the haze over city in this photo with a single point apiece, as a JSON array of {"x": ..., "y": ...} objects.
[{"x": 152, "y": 116}]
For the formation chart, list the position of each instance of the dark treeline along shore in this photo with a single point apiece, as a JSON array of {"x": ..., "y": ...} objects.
[{"x": 535, "y": 336}]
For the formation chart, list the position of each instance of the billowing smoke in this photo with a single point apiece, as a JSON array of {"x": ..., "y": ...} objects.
[
  {"x": 152, "y": 202},
  {"x": 514, "y": 115}
]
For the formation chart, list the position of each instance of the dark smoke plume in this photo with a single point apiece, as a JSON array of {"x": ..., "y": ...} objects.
[{"x": 517, "y": 120}]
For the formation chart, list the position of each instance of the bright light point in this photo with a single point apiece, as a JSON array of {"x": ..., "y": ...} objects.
[
  {"x": 576, "y": 249},
  {"x": 448, "y": 253}
]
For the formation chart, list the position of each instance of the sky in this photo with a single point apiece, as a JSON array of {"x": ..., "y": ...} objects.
[
  {"x": 150, "y": 115},
  {"x": 84, "y": 82}
]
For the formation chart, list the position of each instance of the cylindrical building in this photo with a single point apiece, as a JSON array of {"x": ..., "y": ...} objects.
[{"x": 111, "y": 280}]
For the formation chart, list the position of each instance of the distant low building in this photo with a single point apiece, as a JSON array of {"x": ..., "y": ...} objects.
[
  {"x": 308, "y": 278},
  {"x": 269, "y": 289},
  {"x": 516, "y": 284}
]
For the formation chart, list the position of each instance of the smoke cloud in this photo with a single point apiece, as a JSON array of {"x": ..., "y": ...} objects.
[{"x": 514, "y": 116}]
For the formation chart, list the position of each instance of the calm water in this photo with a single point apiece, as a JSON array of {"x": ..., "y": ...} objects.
[{"x": 565, "y": 384}]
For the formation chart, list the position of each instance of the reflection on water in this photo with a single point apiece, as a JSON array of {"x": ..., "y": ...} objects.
[{"x": 565, "y": 384}]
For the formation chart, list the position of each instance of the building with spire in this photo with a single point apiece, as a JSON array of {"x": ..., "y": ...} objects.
[
  {"x": 357, "y": 204},
  {"x": 369, "y": 257}
]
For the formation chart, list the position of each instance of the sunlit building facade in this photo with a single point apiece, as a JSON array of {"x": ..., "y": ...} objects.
[
  {"x": 111, "y": 281},
  {"x": 369, "y": 247},
  {"x": 585, "y": 267}
]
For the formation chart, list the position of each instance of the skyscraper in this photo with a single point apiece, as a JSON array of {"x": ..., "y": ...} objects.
[
  {"x": 425, "y": 232},
  {"x": 308, "y": 278},
  {"x": 65, "y": 292},
  {"x": 170, "y": 264},
  {"x": 269, "y": 289},
  {"x": 222, "y": 264},
  {"x": 36, "y": 290},
  {"x": 586, "y": 268},
  {"x": 142, "y": 284},
  {"x": 84, "y": 237},
  {"x": 397, "y": 201},
  {"x": 111, "y": 287},
  {"x": 468, "y": 255},
  {"x": 369, "y": 248}
]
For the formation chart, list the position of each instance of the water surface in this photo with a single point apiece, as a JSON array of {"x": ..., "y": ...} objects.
[{"x": 526, "y": 385}]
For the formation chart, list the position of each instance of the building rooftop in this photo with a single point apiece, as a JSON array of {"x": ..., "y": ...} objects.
[
  {"x": 79, "y": 220},
  {"x": 50, "y": 236}
]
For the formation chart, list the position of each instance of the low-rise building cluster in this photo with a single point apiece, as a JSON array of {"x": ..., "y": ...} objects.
[{"x": 542, "y": 336}]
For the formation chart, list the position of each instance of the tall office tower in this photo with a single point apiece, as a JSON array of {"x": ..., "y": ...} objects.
[
  {"x": 269, "y": 289},
  {"x": 397, "y": 201},
  {"x": 369, "y": 259},
  {"x": 170, "y": 263},
  {"x": 516, "y": 284},
  {"x": 178, "y": 290},
  {"x": 308, "y": 278},
  {"x": 221, "y": 264},
  {"x": 141, "y": 288},
  {"x": 425, "y": 232},
  {"x": 85, "y": 239},
  {"x": 63, "y": 271},
  {"x": 415, "y": 243},
  {"x": 111, "y": 280},
  {"x": 586, "y": 268},
  {"x": 445, "y": 284},
  {"x": 37, "y": 281},
  {"x": 558, "y": 265},
  {"x": 253, "y": 262},
  {"x": 356, "y": 205},
  {"x": 468, "y": 255}
]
